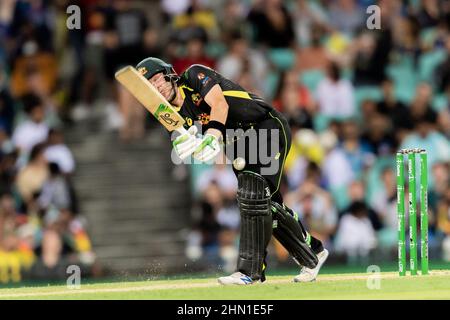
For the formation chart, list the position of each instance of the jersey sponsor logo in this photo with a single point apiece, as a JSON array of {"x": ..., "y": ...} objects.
[
  {"x": 196, "y": 98},
  {"x": 203, "y": 118},
  {"x": 206, "y": 80},
  {"x": 203, "y": 78}
]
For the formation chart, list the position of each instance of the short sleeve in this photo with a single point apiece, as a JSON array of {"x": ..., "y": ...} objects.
[{"x": 201, "y": 78}]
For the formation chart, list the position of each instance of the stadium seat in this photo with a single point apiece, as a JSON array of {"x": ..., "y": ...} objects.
[
  {"x": 195, "y": 172},
  {"x": 311, "y": 79},
  {"x": 405, "y": 78},
  {"x": 320, "y": 122},
  {"x": 271, "y": 84},
  {"x": 440, "y": 102},
  {"x": 340, "y": 197},
  {"x": 366, "y": 93},
  {"x": 215, "y": 49},
  {"x": 283, "y": 59},
  {"x": 373, "y": 177},
  {"x": 428, "y": 62}
]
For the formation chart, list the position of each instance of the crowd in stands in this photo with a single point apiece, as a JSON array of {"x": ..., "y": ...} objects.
[
  {"x": 353, "y": 96},
  {"x": 40, "y": 232}
]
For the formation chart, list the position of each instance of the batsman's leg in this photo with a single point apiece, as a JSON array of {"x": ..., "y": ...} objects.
[
  {"x": 286, "y": 222},
  {"x": 291, "y": 234},
  {"x": 256, "y": 229}
]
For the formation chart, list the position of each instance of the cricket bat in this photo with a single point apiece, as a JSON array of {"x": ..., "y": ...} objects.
[{"x": 151, "y": 99}]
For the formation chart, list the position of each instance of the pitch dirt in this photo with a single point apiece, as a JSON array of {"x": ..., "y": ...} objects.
[{"x": 338, "y": 286}]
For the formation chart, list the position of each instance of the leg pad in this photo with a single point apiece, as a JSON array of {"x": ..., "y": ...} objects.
[
  {"x": 291, "y": 234},
  {"x": 256, "y": 223}
]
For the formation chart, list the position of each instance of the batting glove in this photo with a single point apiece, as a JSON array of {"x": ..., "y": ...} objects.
[
  {"x": 208, "y": 149},
  {"x": 185, "y": 144}
]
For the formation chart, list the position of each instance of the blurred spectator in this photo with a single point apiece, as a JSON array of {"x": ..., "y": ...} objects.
[
  {"x": 35, "y": 87},
  {"x": 406, "y": 38},
  {"x": 337, "y": 170},
  {"x": 346, "y": 16},
  {"x": 125, "y": 34},
  {"x": 246, "y": 80},
  {"x": 87, "y": 45},
  {"x": 436, "y": 145},
  {"x": 314, "y": 207},
  {"x": 443, "y": 222},
  {"x": 272, "y": 24},
  {"x": 232, "y": 20},
  {"x": 198, "y": 17},
  {"x": 357, "y": 193},
  {"x": 442, "y": 72},
  {"x": 355, "y": 236},
  {"x": 421, "y": 105},
  {"x": 54, "y": 197},
  {"x": 239, "y": 57},
  {"x": 306, "y": 15},
  {"x": 195, "y": 53},
  {"x": 32, "y": 177},
  {"x": 294, "y": 100},
  {"x": 33, "y": 130},
  {"x": 314, "y": 56},
  {"x": 397, "y": 113},
  {"x": 305, "y": 154},
  {"x": 16, "y": 241},
  {"x": 376, "y": 137},
  {"x": 32, "y": 19},
  {"x": 62, "y": 233},
  {"x": 368, "y": 109},
  {"x": 358, "y": 155},
  {"x": 7, "y": 104},
  {"x": 10, "y": 239},
  {"x": 370, "y": 57},
  {"x": 384, "y": 200},
  {"x": 126, "y": 29},
  {"x": 57, "y": 152},
  {"x": 335, "y": 95},
  {"x": 441, "y": 178},
  {"x": 222, "y": 175},
  {"x": 173, "y": 8},
  {"x": 8, "y": 170},
  {"x": 429, "y": 13}
]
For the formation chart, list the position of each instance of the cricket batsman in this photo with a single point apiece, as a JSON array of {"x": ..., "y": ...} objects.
[{"x": 202, "y": 94}]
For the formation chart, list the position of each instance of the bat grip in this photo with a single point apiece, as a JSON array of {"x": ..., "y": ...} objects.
[{"x": 181, "y": 130}]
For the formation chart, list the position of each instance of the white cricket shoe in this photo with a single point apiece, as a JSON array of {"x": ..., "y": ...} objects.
[
  {"x": 237, "y": 278},
  {"x": 308, "y": 275}
]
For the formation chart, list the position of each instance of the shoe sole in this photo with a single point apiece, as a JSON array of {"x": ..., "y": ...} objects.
[{"x": 237, "y": 284}]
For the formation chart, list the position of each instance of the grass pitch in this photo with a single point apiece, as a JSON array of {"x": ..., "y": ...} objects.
[{"x": 336, "y": 286}]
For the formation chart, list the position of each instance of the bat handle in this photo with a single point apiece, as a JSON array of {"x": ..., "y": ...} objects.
[{"x": 181, "y": 130}]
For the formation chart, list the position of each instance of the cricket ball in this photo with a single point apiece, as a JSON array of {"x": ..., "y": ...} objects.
[{"x": 239, "y": 163}]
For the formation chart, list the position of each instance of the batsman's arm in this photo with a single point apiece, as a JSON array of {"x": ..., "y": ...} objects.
[{"x": 219, "y": 109}]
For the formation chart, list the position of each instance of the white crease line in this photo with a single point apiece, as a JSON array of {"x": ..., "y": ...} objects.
[{"x": 203, "y": 285}]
